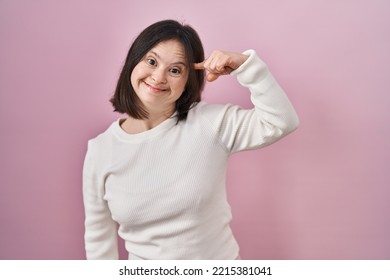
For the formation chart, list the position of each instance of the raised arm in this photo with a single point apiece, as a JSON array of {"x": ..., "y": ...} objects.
[{"x": 272, "y": 117}]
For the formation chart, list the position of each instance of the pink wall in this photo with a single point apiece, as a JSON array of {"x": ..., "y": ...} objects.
[{"x": 321, "y": 193}]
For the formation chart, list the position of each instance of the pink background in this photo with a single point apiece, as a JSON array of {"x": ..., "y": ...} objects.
[{"x": 321, "y": 193}]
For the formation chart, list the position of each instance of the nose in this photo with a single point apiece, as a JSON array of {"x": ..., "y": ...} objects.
[{"x": 158, "y": 76}]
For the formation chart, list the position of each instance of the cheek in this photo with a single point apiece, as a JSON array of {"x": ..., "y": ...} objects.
[
  {"x": 137, "y": 74},
  {"x": 180, "y": 85}
]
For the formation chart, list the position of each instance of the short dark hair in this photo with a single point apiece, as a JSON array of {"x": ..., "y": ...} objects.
[{"x": 125, "y": 99}]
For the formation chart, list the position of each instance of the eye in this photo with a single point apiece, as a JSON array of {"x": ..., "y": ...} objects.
[
  {"x": 151, "y": 61},
  {"x": 175, "y": 71}
]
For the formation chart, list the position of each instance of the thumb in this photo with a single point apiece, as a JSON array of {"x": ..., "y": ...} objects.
[{"x": 211, "y": 77}]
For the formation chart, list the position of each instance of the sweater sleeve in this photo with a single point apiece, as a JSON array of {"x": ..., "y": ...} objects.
[
  {"x": 100, "y": 229},
  {"x": 272, "y": 117}
]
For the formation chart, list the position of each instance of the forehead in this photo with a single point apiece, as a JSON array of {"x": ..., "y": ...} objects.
[{"x": 170, "y": 51}]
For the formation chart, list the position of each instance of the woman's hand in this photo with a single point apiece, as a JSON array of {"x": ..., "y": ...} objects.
[{"x": 221, "y": 63}]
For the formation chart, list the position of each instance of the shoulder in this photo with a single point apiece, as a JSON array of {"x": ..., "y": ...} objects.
[
  {"x": 207, "y": 110},
  {"x": 214, "y": 111},
  {"x": 212, "y": 115},
  {"x": 103, "y": 139}
]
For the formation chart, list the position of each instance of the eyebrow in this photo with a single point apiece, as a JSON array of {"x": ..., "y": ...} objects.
[{"x": 179, "y": 62}]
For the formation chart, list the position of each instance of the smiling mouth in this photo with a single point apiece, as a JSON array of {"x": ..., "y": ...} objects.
[{"x": 154, "y": 89}]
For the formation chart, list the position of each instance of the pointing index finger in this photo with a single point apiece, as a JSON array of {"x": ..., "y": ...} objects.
[{"x": 199, "y": 66}]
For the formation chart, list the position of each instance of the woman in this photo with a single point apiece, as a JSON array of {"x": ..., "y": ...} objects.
[{"x": 160, "y": 173}]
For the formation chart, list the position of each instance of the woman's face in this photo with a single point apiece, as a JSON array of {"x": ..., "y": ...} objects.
[{"x": 160, "y": 77}]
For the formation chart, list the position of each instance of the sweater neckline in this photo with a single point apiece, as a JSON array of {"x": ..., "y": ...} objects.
[{"x": 163, "y": 126}]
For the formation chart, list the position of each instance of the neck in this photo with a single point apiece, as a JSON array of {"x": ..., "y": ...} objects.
[{"x": 133, "y": 126}]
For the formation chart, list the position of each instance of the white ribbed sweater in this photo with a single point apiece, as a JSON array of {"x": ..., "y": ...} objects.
[{"x": 166, "y": 187}]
